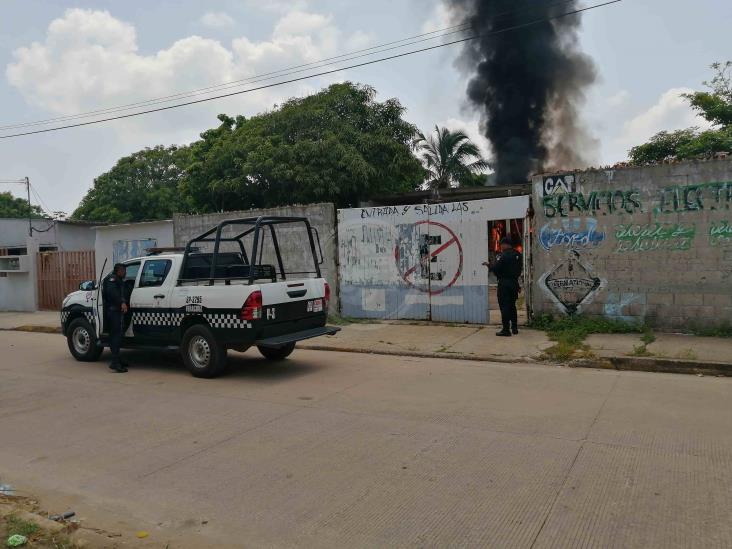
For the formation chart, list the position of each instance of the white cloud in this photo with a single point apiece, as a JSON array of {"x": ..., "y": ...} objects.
[
  {"x": 90, "y": 59},
  {"x": 440, "y": 18},
  {"x": 359, "y": 40},
  {"x": 279, "y": 6},
  {"x": 620, "y": 99},
  {"x": 217, "y": 20},
  {"x": 670, "y": 112}
]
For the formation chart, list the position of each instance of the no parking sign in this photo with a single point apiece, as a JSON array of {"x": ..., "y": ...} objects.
[{"x": 435, "y": 263}]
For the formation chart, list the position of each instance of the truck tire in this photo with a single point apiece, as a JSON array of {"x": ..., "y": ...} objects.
[
  {"x": 277, "y": 353},
  {"x": 82, "y": 341},
  {"x": 202, "y": 354}
]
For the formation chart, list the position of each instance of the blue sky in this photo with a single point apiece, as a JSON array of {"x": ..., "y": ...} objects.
[{"x": 60, "y": 58}]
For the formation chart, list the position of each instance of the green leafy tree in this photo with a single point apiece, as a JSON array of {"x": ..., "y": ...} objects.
[
  {"x": 11, "y": 207},
  {"x": 450, "y": 158},
  {"x": 715, "y": 106},
  {"x": 143, "y": 186},
  {"x": 339, "y": 145}
]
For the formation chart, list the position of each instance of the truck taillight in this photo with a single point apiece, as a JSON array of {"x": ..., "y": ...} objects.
[
  {"x": 327, "y": 295},
  {"x": 252, "y": 308}
]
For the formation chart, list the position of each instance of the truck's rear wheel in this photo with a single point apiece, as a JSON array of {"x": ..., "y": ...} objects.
[
  {"x": 202, "y": 354},
  {"x": 82, "y": 341},
  {"x": 277, "y": 353}
]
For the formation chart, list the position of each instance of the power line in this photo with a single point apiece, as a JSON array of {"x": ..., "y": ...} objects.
[
  {"x": 252, "y": 79},
  {"x": 324, "y": 73},
  {"x": 440, "y": 33},
  {"x": 224, "y": 86}
]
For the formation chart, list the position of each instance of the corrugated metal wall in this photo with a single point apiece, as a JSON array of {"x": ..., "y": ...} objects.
[{"x": 419, "y": 261}]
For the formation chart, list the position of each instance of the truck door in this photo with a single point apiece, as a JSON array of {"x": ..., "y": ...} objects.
[
  {"x": 130, "y": 278},
  {"x": 150, "y": 302}
]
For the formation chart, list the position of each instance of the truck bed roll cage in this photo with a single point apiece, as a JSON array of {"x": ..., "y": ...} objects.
[{"x": 255, "y": 225}]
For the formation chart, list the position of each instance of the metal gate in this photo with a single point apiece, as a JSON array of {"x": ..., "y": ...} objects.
[
  {"x": 420, "y": 261},
  {"x": 60, "y": 273}
]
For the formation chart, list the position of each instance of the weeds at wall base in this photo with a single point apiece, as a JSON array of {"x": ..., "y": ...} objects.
[{"x": 569, "y": 332}]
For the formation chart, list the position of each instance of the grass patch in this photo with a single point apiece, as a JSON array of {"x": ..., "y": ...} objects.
[
  {"x": 640, "y": 350},
  {"x": 720, "y": 330},
  {"x": 37, "y": 536},
  {"x": 338, "y": 320},
  {"x": 15, "y": 525},
  {"x": 569, "y": 333},
  {"x": 648, "y": 337}
]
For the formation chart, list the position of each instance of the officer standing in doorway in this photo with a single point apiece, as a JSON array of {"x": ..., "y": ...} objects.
[
  {"x": 507, "y": 268},
  {"x": 115, "y": 308}
]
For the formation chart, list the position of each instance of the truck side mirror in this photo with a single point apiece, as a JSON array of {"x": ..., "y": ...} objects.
[{"x": 88, "y": 285}]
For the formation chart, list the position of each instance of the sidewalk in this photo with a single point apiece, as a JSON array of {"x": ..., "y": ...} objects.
[
  {"x": 41, "y": 321},
  {"x": 669, "y": 352}
]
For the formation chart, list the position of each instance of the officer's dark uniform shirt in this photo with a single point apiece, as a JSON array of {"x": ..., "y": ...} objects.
[
  {"x": 508, "y": 266},
  {"x": 113, "y": 292}
]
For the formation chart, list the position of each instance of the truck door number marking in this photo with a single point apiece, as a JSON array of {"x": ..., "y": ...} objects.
[
  {"x": 194, "y": 299},
  {"x": 270, "y": 314}
]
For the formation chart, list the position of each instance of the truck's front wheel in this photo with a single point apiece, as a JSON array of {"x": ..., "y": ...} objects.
[
  {"x": 82, "y": 341},
  {"x": 277, "y": 353},
  {"x": 202, "y": 354}
]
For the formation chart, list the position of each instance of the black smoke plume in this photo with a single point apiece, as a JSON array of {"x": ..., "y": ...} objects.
[{"x": 527, "y": 83}]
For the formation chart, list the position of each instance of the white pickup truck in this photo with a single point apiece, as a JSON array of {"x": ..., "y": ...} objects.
[{"x": 206, "y": 302}]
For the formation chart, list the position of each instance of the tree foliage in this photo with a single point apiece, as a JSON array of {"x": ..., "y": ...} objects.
[
  {"x": 715, "y": 106},
  {"x": 450, "y": 158},
  {"x": 143, "y": 186},
  {"x": 11, "y": 207},
  {"x": 339, "y": 145}
]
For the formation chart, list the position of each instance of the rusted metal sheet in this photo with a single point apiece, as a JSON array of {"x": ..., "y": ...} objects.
[
  {"x": 60, "y": 273},
  {"x": 419, "y": 261}
]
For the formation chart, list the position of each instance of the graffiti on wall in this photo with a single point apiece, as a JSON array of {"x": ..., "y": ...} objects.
[
  {"x": 720, "y": 234},
  {"x": 571, "y": 233},
  {"x": 651, "y": 237},
  {"x": 572, "y": 284},
  {"x": 559, "y": 184},
  {"x": 422, "y": 210},
  {"x": 602, "y": 202},
  {"x": 694, "y": 198}
]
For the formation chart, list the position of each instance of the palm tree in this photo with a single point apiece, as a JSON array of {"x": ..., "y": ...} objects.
[{"x": 449, "y": 157}]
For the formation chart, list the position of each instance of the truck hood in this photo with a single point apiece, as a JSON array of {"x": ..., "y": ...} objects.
[{"x": 80, "y": 297}]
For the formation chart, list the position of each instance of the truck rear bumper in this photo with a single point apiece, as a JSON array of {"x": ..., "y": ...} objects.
[{"x": 285, "y": 339}]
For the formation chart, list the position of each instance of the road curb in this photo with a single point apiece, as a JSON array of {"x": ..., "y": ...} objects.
[
  {"x": 421, "y": 354},
  {"x": 34, "y": 329},
  {"x": 660, "y": 365},
  {"x": 620, "y": 363}
]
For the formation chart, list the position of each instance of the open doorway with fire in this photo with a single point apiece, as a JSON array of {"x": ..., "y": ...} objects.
[{"x": 517, "y": 231}]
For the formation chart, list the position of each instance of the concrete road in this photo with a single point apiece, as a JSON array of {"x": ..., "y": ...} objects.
[{"x": 349, "y": 450}]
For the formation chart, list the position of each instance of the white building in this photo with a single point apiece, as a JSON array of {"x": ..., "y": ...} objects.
[
  {"x": 18, "y": 280},
  {"x": 115, "y": 243}
]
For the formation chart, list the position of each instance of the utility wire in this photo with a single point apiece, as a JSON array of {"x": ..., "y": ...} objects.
[
  {"x": 220, "y": 87},
  {"x": 440, "y": 33},
  {"x": 251, "y": 79},
  {"x": 323, "y": 73}
]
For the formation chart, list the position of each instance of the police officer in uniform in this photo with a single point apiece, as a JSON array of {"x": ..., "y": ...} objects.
[
  {"x": 507, "y": 268},
  {"x": 115, "y": 308}
]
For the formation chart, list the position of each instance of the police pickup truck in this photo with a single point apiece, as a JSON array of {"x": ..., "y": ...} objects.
[{"x": 228, "y": 289}]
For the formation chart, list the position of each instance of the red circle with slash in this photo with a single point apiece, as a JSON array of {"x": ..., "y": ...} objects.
[{"x": 453, "y": 240}]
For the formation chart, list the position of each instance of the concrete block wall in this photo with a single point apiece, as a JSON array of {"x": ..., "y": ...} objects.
[
  {"x": 295, "y": 251},
  {"x": 647, "y": 244}
]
